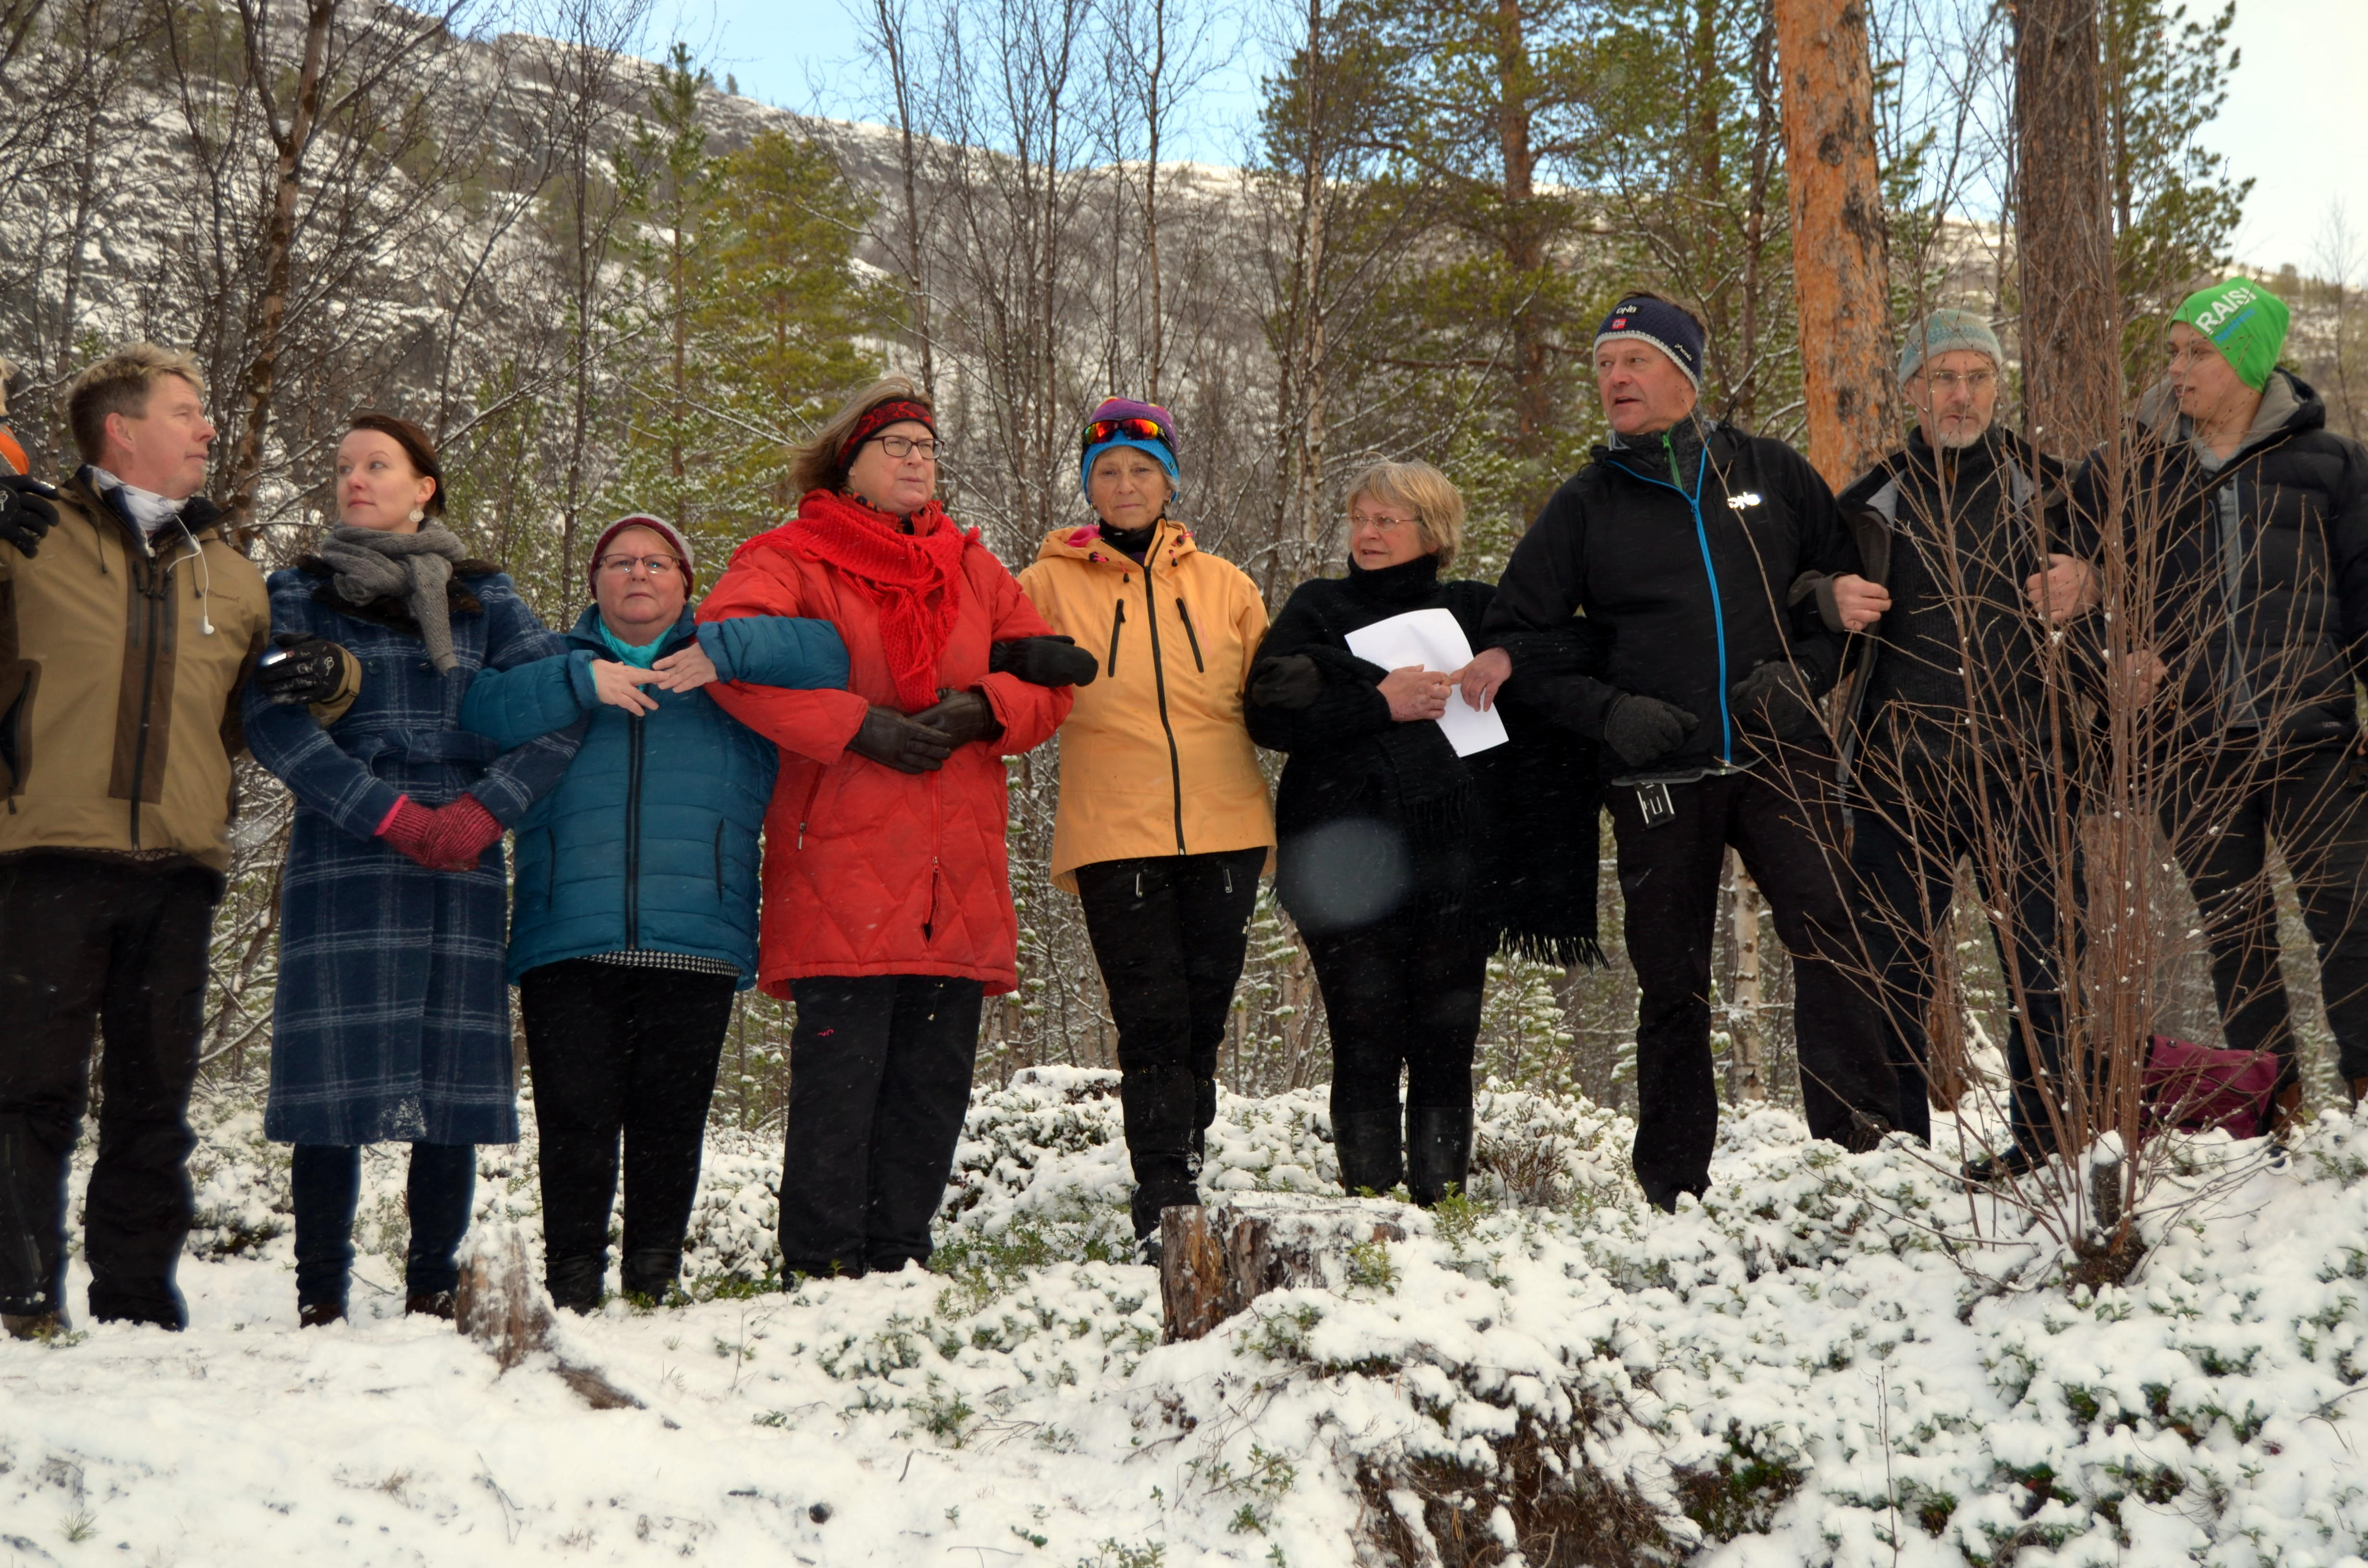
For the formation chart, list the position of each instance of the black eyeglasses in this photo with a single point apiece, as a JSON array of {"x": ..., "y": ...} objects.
[
  {"x": 1140, "y": 429},
  {"x": 905, "y": 446}
]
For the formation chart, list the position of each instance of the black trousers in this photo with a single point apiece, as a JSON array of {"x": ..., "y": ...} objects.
[
  {"x": 880, "y": 1071},
  {"x": 85, "y": 942},
  {"x": 1401, "y": 992},
  {"x": 1905, "y": 860},
  {"x": 629, "y": 1053},
  {"x": 2220, "y": 819},
  {"x": 1170, "y": 933},
  {"x": 326, "y": 1183},
  {"x": 1785, "y": 825}
]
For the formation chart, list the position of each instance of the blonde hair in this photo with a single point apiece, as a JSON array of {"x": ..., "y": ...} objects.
[
  {"x": 1431, "y": 495},
  {"x": 121, "y": 383},
  {"x": 814, "y": 463}
]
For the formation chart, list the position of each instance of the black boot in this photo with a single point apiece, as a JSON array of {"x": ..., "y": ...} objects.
[
  {"x": 1160, "y": 1183},
  {"x": 574, "y": 1282},
  {"x": 1438, "y": 1151},
  {"x": 650, "y": 1275},
  {"x": 1367, "y": 1143}
]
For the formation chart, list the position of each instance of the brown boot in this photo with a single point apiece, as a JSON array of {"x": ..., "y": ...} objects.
[
  {"x": 2358, "y": 1086},
  {"x": 33, "y": 1326},
  {"x": 2285, "y": 1114}
]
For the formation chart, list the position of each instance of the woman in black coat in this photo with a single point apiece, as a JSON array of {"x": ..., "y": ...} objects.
[{"x": 1385, "y": 850}]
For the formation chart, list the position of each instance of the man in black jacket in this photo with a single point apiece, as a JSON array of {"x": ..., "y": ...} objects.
[
  {"x": 1956, "y": 740},
  {"x": 2251, "y": 518},
  {"x": 1680, "y": 540}
]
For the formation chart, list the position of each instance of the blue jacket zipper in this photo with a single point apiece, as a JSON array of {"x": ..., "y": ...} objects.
[{"x": 1718, "y": 610}]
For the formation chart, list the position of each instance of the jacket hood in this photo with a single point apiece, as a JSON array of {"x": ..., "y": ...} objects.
[
  {"x": 2289, "y": 406},
  {"x": 1170, "y": 539},
  {"x": 2000, "y": 448},
  {"x": 585, "y": 632}
]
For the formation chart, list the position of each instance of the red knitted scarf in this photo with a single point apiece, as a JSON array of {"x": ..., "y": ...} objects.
[{"x": 913, "y": 580}]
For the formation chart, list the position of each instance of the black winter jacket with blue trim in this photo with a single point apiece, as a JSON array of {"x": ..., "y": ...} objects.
[{"x": 1691, "y": 588}]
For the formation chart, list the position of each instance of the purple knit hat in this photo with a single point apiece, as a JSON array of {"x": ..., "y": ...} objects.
[
  {"x": 1161, "y": 446},
  {"x": 657, "y": 526}
]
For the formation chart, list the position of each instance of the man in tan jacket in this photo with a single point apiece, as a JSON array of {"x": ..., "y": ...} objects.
[{"x": 127, "y": 625}]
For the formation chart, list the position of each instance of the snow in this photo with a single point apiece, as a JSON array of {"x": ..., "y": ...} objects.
[{"x": 1834, "y": 1359}]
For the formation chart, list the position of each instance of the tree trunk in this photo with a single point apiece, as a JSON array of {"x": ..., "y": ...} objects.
[
  {"x": 1524, "y": 242},
  {"x": 1153, "y": 111},
  {"x": 908, "y": 174},
  {"x": 1743, "y": 396},
  {"x": 1215, "y": 1261},
  {"x": 1841, "y": 251},
  {"x": 1743, "y": 1000},
  {"x": 2064, "y": 230},
  {"x": 289, "y": 143}
]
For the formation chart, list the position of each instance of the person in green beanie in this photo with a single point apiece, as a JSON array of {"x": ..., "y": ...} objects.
[
  {"x": 2254, "y": 521},
  {"x": 2245, "y": 322}
]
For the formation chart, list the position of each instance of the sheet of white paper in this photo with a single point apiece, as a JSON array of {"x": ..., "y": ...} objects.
[{"x": 1433, "y": 638}]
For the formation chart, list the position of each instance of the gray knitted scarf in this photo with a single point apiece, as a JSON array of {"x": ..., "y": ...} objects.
[{"x": 415, "y": 568}]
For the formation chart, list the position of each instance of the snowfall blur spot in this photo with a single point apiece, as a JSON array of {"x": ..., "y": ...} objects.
[{"x": 1350, "y": 873}]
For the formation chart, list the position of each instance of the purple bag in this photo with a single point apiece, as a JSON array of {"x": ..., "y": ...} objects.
[{"x": 2193, "y": 1087}]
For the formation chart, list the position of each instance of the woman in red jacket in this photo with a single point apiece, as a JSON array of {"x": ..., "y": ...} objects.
[{"x": 887, "y": 913}]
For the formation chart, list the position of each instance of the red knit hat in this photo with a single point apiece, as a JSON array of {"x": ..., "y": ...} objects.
[{"x": 657, "y": 526}]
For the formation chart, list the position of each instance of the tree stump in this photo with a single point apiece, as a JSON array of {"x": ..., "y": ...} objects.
[
  {"x": 500, "y": 1305},
  {"x": 1216, "y": 1259}
]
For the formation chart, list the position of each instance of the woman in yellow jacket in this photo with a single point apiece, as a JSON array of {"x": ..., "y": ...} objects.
[{"x": 1164, "y": 825}]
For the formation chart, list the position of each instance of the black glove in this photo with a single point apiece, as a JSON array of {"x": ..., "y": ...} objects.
[
  {"x": 962, "y": 717},
  {"x": 889, "y": 738},
  {"x": 309, "y": 669},
  {"x": 28, "y": 511},
  {"x": 1294, "y": 680},
  {"x": 1043, "y": 661},
  {"x": 1776, "y": 700},
  {"x": 1643, "y": 730}
]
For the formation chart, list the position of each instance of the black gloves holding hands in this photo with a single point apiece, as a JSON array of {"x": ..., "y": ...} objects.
[
  {"x": 921, "y": 742},
  {"x": 891, "y": 740},
  {"x": 1043, "y": 661},
  {"x": 1775, "y": 699},
  {"x": 300, "y": 668},
  {"x": 28, "y": 511},
  {"x": 1643, "y": 730},
  {"x": 962, "y": 717}
]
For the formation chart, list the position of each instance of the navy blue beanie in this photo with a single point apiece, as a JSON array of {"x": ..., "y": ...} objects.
[{"x": 1663, "y": 325}]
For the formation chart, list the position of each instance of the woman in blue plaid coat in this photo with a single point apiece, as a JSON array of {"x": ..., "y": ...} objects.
[{"x": 391, "y": 1022}]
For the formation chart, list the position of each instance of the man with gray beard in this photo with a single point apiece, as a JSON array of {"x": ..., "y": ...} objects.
[{"x": 1947, "y": 727}]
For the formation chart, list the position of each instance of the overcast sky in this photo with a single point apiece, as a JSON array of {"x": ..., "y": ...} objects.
[{"x": 2294, "y": 121}]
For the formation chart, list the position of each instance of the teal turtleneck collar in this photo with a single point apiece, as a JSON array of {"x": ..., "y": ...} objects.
[{"x": 640, "y": 658}]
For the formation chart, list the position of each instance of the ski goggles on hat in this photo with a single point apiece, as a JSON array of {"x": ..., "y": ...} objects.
[{"x": 1136, "y": 430}]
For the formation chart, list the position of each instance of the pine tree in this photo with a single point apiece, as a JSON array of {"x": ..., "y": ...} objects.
[
  {"x": 668, "y": 176},
  {"x": 789, "y": 323},
  {"x": 753, "y": 319},
  {"x": 2175, "y": 205}
]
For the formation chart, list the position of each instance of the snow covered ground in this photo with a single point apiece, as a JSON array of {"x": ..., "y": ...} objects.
[{"x": 1824, "y": 1364}]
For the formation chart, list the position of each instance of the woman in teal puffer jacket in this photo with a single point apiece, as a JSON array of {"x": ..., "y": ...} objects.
[{"x": 635, "y": 910}]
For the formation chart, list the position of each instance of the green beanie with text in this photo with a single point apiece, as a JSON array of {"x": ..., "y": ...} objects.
[{"x": 2244, "y": 320}]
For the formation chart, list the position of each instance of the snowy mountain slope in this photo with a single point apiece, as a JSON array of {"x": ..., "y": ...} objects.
[{"x": 1822, "y": 1365}]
